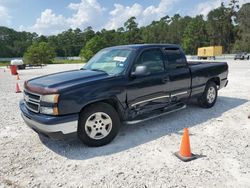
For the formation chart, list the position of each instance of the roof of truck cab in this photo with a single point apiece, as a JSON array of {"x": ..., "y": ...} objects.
[{"x": 141, "y": 46}]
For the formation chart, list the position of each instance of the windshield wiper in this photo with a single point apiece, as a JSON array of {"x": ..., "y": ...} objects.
[{"x": 99, "y": 70}]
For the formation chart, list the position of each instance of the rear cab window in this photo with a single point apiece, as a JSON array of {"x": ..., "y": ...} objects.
[{"x": 175, "y": 58}]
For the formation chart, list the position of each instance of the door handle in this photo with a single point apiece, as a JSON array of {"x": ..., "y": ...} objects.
[{"x": 165, "y": 79}]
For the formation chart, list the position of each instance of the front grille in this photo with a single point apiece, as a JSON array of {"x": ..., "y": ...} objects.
[{"x": 32, "y": 101}]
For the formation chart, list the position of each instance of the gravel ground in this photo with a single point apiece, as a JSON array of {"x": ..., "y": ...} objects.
[{"x": 141, "y": 155}]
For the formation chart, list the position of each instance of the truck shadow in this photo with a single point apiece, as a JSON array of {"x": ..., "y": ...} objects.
[{"x": 131, "y": 136}]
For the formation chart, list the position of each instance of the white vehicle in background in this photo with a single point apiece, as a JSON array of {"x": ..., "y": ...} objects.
[
  {"x": 241, "y": 56},
  {"x": 19, "y": 63}
]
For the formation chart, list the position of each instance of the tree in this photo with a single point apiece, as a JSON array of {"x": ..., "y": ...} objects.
[
  {"x": 156, "y": 32},
  {"x": 177, "y": 27},
  {"x": 13, "y": 43},
  {"x": 195, "y": 35},
  {"x": 88, "y": 34},
  {"x": 39, "y": 53},
  {"x": 243, "y": 41},
  {"x": 41, "y": 38},
  {"x": 234, "y": 7},
  {"x": 92, "y": 47},
  {"x": 227, "y": 26},
  {"x": 221, "y": 28},
  {"x": 132, "y": 31}
]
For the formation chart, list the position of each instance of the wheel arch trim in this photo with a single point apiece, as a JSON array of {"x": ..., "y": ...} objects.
[{"x": 113, "y": 101}]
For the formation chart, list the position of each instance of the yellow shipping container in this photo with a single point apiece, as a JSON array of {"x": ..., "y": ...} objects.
[{"x": 209, "y": 52}]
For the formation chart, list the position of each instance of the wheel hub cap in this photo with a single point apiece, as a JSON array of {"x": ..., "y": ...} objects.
[
  {"x": 211, "y": 94},
  {"x": 98, "y": 125}
]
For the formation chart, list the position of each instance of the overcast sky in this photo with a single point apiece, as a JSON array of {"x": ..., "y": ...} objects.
[{"x": 53, "y": 16}]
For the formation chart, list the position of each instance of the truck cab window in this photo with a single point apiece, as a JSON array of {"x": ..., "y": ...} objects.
[
  {"x": 175, "y": 58},
  {"x": 152, "y": 59}
]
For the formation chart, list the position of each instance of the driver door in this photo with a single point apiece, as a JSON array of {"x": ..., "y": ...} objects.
[{"x": 146, "y": 93}]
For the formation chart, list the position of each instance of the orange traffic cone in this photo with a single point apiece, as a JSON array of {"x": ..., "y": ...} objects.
[
  {"x": 17, "y": 77},
  {"x": 18, "y": 89},
  {"x": 185, "y": 152}
]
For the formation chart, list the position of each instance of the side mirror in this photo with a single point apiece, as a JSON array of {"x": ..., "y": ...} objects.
[{"x": 140, "y": 70}]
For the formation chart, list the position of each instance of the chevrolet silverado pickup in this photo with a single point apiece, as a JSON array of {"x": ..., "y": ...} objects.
[{"x": 122, "y": 84}]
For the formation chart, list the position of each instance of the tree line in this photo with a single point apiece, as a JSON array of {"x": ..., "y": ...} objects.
[{"x": 228, "y": 26}]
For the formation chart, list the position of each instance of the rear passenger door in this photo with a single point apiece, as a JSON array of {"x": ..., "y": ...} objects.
[
  {"x": 179, "y": 85},
  {"x": 148, "y": 92}
]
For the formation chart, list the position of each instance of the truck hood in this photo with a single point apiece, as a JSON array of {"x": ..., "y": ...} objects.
[{"x": 54, "y": 82}]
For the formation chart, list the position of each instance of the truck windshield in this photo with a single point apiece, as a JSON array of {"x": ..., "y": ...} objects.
[{"x": 111, "y": 61}]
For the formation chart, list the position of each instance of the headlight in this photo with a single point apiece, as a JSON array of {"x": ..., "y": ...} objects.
[
  {"x": 50, "y": 98},
  {"x": 49, "y": 110}
]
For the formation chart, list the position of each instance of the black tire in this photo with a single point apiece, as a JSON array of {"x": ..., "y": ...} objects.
[
  {"x": 89, "y": 112},
  {"x": 203, "y": 100},
  {"x": 247, "y": 57}
]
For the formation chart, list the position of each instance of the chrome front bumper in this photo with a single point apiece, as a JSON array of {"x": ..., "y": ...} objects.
[
  {"x": 65, "y": 128},
  {"x": 51, "y": 126}
]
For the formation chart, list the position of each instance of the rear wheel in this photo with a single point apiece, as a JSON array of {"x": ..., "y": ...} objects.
[
  {"x": 98, "y": 124},
  {"x": 209, "y": 97}
]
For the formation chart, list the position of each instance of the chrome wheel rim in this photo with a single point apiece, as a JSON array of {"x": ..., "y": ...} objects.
[
  {"x": 211, "y": 94},
  {"x": 98, "y": 125}
]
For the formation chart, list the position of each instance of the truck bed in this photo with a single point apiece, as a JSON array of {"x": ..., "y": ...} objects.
[
  {"x": 202, "y": 71},
  {"x": 199, "y": 62}
]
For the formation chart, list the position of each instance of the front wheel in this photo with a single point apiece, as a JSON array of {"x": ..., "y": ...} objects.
[
  {"x": 209, "y": 97},
  {"x": 98, "y": 124}
]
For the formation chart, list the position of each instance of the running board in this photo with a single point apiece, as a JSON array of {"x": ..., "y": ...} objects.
[{"x": 154, "y": 116}]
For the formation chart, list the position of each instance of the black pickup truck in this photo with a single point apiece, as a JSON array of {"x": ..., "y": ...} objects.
[{"x": 123, "y": 84}]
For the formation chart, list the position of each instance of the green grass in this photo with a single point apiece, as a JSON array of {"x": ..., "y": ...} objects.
[
  {"x": 55, "y": 61},
  {"x": 4, "y": 63},
  {"x": 66, "y": 61}
]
